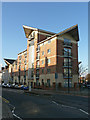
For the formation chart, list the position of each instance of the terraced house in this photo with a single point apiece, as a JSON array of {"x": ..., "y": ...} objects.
[{"x": 49, "y": 60}]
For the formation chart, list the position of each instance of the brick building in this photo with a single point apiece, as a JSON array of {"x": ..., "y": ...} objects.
[{"x": 49, "y": 60}]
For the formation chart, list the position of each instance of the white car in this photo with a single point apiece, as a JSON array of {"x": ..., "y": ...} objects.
[
  {"x": 8, "y": 85},
  {"x": 4, "y": 85},
  {"x": 16, "y": 86}
]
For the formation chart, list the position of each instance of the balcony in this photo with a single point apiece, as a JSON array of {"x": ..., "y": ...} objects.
[
  {"x": 38, "y": 49},
  {"x": 66, "y": 44},
  {"x": 66, "y": 64},
  {"x": 30, "y": 38},
  {"x": 37, "y": 75},
  {"x": 65, "y": 75},
  {"x": 67, "y": 54},
  {"x": 37, "y": 57},
  {"x": 37, "y": 66}
]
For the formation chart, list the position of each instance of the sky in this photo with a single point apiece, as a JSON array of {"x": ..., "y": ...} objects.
[{"x": 50, "y": 16}]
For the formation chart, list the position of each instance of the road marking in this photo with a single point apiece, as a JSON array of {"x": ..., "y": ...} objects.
[
  {"x": 5, "y": 100},
  {"x": 84, "y": 111},
  {"x": 17, "y": 116},
  {"x": 69, "y": 106},
  {"x": 55, "y": 102}
]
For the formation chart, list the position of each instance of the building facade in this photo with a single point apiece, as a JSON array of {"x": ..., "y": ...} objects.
[{"x": 50, "y": 60}]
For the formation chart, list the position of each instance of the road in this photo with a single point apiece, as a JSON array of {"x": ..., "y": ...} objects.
[{"x": 38, "y": 106}]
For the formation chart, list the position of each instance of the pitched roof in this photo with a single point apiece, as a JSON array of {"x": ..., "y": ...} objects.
[
  {"x": 28, "y": 30},
  {"x": 9, "y": 61},
  {"x": 73, "y": 31}
]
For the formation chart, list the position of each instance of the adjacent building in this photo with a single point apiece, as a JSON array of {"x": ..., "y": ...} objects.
[{"x": 50, "y": 60}]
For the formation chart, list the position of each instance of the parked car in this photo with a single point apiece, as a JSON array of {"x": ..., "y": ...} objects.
[
  {"x": 88, "y": 85},
  {"x": 16, "y": 86},
  {"x": 22, "y": 87},
  {"x": 13, "y": 85},
  {"x": 4, "y": 85},
  {"x": 26, "y": 88},
  {"x": 19, "y": 86},
  {"x": 8, "y": 85}
]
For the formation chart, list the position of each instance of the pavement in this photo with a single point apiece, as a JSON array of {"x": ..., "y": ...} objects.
[
  {"x": 83, "y": 92},
  {"x": 5, "y": 111}
]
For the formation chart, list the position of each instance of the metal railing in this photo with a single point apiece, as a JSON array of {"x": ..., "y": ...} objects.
[
  {"x": 38, "y": 49},
  {"x": 66, "y": 64},
  {"x": 67, "y": 54},
  {"x": 65, "y": 75},
  {"x": 67, "y": 44}
]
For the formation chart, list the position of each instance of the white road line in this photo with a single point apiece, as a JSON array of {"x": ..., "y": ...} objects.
[
  {"x": 17, "y": 116},
  {"x": 55, "y": 102},
  {"x": 69, "y": 106},
  {"x": 72, "y": 107},
  {"x": 84, "y": 111}
]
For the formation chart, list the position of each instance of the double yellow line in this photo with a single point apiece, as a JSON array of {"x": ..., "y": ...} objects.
[{"x": 5, "y": 100}]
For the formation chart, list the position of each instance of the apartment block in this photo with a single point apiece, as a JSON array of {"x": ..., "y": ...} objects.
[{"x": 50, "y": 60}]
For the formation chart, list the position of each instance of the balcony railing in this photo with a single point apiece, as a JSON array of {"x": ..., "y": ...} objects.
[
  {"x": 67, "y": 54},
  {"x": 38, "y": 49},
  {"x": 30, "y": 38},
  {"x": 37, "y": 57},
  {"x": 65, "y": 75},
  {"x": 37, "y": 76},
  {"x": 66, "y": 64},
  {"x": 66, "y": 44},
  {"x": 37, "y": 66}
]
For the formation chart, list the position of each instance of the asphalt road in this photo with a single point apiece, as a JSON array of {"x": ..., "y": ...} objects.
[{"x": 37, "y": 106}]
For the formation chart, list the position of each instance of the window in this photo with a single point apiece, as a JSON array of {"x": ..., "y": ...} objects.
[
  {"x": 38, "y": 64},
  {"x": 32, "y": 74},
  {"x": 16, "y": 66},
  {"x": 67, "y": 52},
  {"x": 20, "y": 57},
  {"x": 66, "y": 72},
  {"x": 42, "y": 70},
  {"x": 48, "y": 82},
  {"x": 49, "y": 50},
  {"x": 25, "y": 62},
  {"x": 66, "y": 60},
  {"x": 42, "y": 52},
  {"x": 66, "y": 83},
  {"x": 25, "y": 67},
  {"x": 67, "y": 41},
  {"x": 49, "y": 41},
  {"x": 48, "y": 61},
  {"x": 37, "y": 82},
  {"x": 42, "y": 82},
  {"x": 25, "y": 54},
  {"x": 42, "y": 62},
  {"x": 48, "y": 70}
]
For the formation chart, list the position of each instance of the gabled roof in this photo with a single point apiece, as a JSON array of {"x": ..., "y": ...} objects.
[
  {"x": 28, "y": 30},
  {"x": 9, "y": 61},
  {"x": 73, "y": 31}
]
